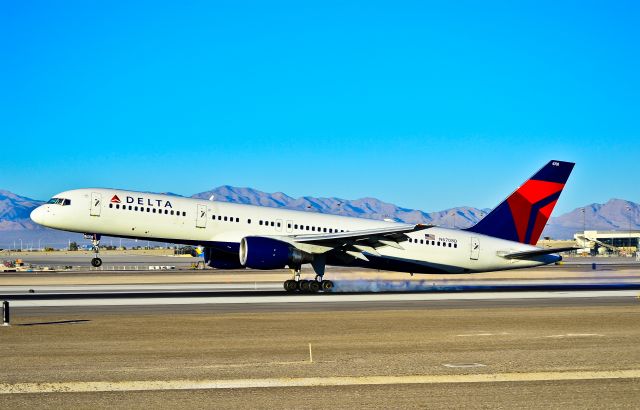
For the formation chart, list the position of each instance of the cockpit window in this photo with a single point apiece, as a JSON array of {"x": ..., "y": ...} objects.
[{"x": 59, "y": 201}]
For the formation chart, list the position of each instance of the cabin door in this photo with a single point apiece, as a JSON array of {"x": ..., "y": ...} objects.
[
  {"x": 96, "y": 204},
  {"x": 475, "y": 248},
  {"x": 201, "y": 217}
]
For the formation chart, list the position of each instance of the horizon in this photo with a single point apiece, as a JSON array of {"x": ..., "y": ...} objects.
[
  {"x": 555, "y": 214},
  {"x": 428, "y": 106}
]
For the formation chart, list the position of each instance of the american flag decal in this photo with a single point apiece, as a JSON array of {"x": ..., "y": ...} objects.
[{"x": 429, "y": 237}]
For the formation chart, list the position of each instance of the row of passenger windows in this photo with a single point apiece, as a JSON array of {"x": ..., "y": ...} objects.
[
  {"x": 150, "y": 210},
  {"x": 433, "y": 243},
  {"x": 279, "y": 224}
]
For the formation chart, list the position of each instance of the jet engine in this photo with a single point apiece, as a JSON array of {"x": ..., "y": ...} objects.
[
  {"x": 221, "y": 260},
  {"x": 266, "y": 253}
]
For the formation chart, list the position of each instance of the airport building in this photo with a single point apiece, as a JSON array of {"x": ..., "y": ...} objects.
[{"x": 603, "y": 242}]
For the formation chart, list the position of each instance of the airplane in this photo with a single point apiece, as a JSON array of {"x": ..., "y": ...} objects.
[{"x": 238, "y": 236}]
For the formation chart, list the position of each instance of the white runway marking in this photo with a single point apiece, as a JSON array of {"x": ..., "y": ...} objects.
[
  {"x": 371, "y": 297},
  {"x": 482, "y": 334},
  {"x": 104, "y": 386},
  {"x": 575, "y": 335},
  {"x": 464, "y": 365}
]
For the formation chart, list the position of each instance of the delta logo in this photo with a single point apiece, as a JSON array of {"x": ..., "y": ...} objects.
[{"x": 142, "y": 201}]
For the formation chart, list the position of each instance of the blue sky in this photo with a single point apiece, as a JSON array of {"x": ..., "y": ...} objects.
[{"x": 427, "y": 105}]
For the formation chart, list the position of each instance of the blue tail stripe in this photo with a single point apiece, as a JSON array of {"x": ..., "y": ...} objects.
[{"x": 534, "y": 214}]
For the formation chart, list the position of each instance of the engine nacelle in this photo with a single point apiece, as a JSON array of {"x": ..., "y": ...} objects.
[
  {"x": 265, "y": 253},
  {"x": 221, "y": 260}
]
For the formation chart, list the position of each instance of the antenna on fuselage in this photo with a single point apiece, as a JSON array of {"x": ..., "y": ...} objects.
[{"x": 211, "y": 197}]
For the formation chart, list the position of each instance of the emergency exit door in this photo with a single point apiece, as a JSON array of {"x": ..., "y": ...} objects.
[{"x": 201, "y": 217}]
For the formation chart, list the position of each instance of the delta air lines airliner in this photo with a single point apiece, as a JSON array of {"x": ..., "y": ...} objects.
[{"x": 238, "y": 236}]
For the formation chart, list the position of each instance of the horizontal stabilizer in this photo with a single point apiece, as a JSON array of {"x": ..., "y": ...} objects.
[{"x": 537, "y": 252}]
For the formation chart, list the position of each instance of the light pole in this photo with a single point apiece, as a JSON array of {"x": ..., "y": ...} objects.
[
  {"x": 20, "y": 245},
  {"x": 629, "y": 242}
]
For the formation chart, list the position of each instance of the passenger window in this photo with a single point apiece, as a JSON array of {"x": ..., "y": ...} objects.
[
  {"x": 237, "y": 219},
  {"x": 449, "y": 244},
  {"x": 117, "y": 206},
  {"x": 225, "y": 219},
  {"x": 154, "y": 210},
  {"x": 135, "y": 208},
  {"x": 184, "y": 214},
  {"x": 67, "y": 202},
  {"x": 455, "y": 245},
  {"x": 272, "y": 224},
  {"x": 438, "y": 243},
  {"x": 166, "y": 212},
  {"x": 171, "y": 212},
  {"x": 248, "y": 221},
  {"x": 433, "y": 243},
  {"x": 110, "y": 205},
  {"x": 421, "y": 241},
  {"x": 306, "y": 227},
  {"x": 278, "y": 224},
  {"x": 295, "y": 226},
  {"x": 313, "y": 228},
  {"x": 219, "y": 218},
  {"x": 288, "y": 226},
  {"x": 130, "y": 207},
  {"x": 324, "y": 229},
  {"x": 330, "y": 230}
]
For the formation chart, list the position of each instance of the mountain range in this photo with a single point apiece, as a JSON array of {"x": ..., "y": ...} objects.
[{"x": 616, "y": 214}]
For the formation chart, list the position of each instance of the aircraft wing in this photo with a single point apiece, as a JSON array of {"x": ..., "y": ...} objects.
[
  {"x": 537, "y": 252},
  {"x": 354, "y": 243}
]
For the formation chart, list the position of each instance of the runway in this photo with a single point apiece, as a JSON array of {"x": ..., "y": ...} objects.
[{"x": 539, "y": 338}]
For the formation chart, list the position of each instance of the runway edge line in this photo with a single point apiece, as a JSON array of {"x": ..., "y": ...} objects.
[{"x": 155, "y": 385}]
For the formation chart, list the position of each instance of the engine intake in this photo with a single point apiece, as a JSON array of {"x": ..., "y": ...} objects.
[{"x": 265, "y": 253}]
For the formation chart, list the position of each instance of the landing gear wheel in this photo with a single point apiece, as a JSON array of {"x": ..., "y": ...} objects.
[
  {"x": 314, "y": 286},
  {"x": 95, "y": 241},
  {"x": 304, "y": 285},
  {"x": 290, "y": 285},
  {"x": 326, "y": 285}
]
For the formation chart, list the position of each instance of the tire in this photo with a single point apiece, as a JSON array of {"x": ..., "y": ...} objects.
[
  {"x": 290, "y": 285},
  {"x": 96, "y": 262},
  {"x": 314, "y": 286},
  {"x": 327, "y": 285},
  {"x": 304, "y": 285}
]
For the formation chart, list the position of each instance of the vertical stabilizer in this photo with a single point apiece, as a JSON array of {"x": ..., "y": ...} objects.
[{"x": 523, "y": 215}]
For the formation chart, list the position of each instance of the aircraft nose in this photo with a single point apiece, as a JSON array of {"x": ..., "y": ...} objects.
[{"x": 37, "y": 215}]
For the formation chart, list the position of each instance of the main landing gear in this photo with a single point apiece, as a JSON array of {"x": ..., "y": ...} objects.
[
  {"x": 95, "y": 241},
  {"x": 307, "y": 286}
]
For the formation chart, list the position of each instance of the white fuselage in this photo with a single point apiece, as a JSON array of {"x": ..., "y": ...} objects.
[{"x": 210, "y": 223}]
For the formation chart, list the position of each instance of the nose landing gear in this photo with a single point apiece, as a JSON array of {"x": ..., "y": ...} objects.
[{"x": 95, "y": 241}]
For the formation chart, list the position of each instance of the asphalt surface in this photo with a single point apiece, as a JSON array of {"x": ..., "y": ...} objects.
[
  {"x": 539, "y": 346},
  {"x": 534, "y": 345}
]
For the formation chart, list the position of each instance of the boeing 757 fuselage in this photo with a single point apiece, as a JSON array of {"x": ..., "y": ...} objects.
[{"x": 236, "y": 236}]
